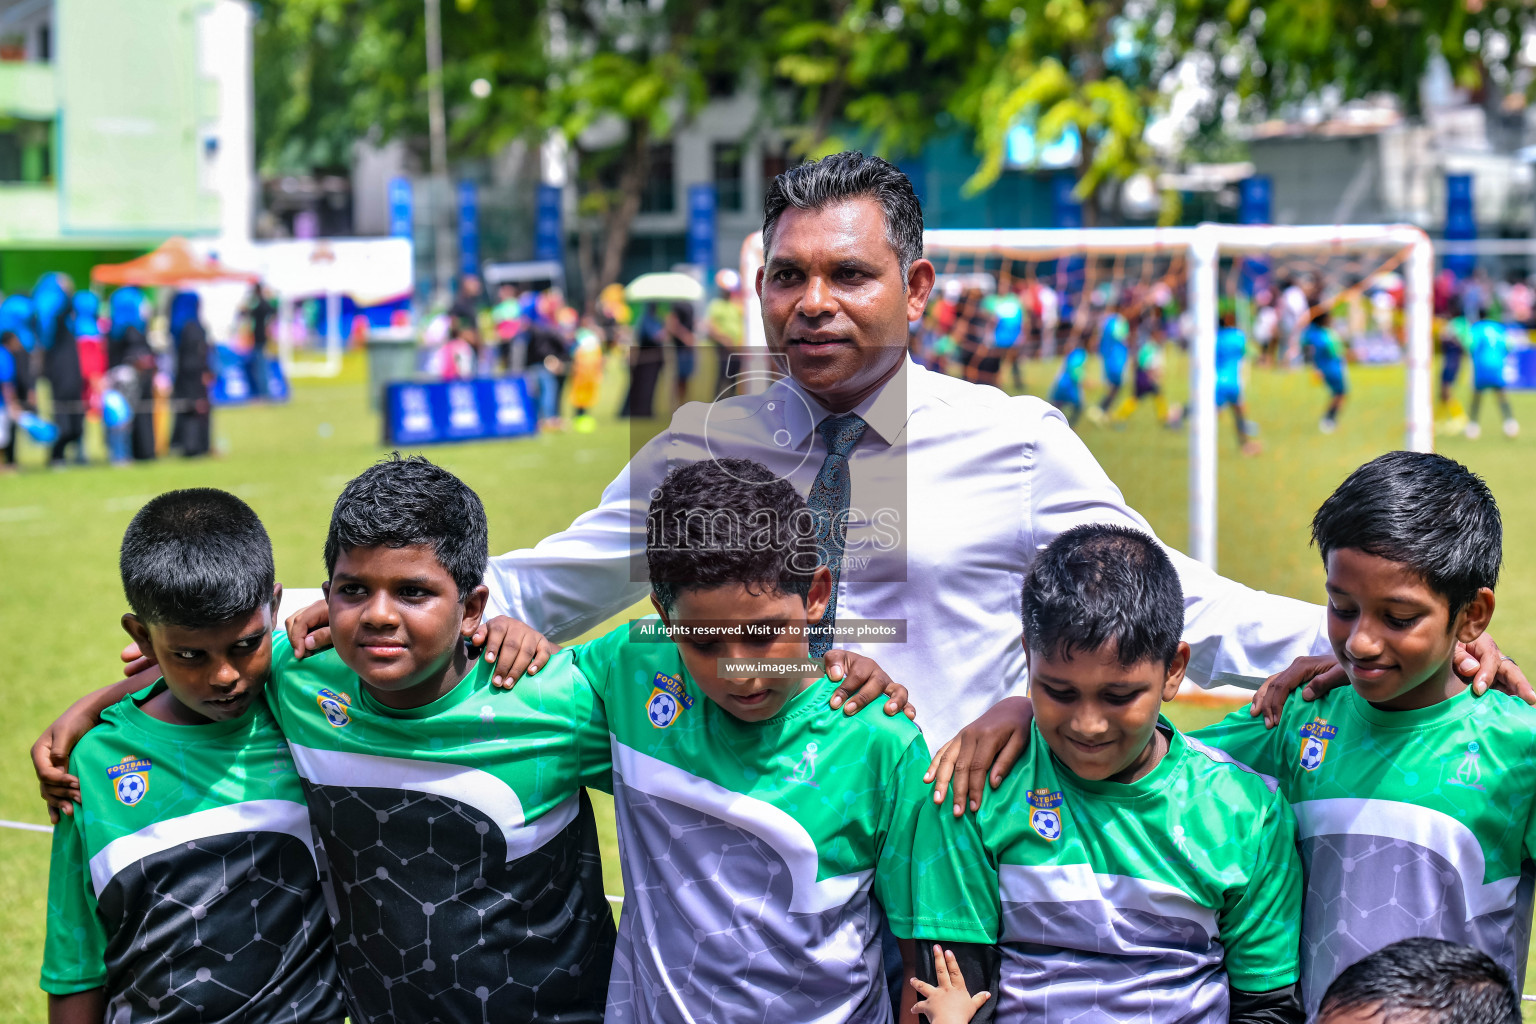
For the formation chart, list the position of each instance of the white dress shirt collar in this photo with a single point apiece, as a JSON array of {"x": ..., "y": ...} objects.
[{"x": 886, "y": 411}]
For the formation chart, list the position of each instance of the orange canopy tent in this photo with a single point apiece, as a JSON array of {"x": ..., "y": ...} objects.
[{"x": 174, "y": 263}]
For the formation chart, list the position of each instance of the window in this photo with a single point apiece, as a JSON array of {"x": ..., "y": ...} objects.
[
  {"x": 728, "y": 176},
  {"x": 26, "y": 150},
  {"x": 659, "y": 193},
  {"x": 776, "y": 160}
]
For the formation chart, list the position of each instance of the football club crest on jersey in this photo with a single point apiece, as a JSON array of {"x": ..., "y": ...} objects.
[
  {"x": 668, "y": 700},
  {"x": 130, "y": 779},
  {"x": 1043, "y": 815},
  {"x": 1314, "y": 743},
  {"x": 336, "y": 707}
]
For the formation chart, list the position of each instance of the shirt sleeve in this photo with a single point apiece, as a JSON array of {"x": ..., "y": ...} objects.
[
  {"x": 570, "y": 582},
  {"x": 1260, "y": 924},
  {"x": 75, "y": 944},
  {"x": 1237, "y": 635},
  {"x": 898, "y": 830},
  {"x": 1246, "y": 739},
  {"x": 955, "y": 893}
]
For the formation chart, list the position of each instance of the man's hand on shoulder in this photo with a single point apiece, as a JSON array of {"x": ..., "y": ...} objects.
[
  {"x": 993, "y": 743},
  {"x": 1484, "y": 665},
  {"x": 516, "y": 647},
  {"x": 861, "y": 682}
]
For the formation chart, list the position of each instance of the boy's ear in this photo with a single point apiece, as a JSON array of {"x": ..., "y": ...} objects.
[
  {"x": 474, "y": 606},
  {"x": 820, "y": 594},
  {"x": 135, "y": 628},
  {"x": 277, "y": 601},
  {"x": 656, "y": 603},
  {"x": 1175, "y": 677},
  {"x": 1473, "y": 620}
]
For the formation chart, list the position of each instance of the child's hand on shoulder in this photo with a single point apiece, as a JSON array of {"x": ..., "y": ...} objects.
[
  {"x": 516, "y": 648},
  {"x": 948, "y": 1002}
]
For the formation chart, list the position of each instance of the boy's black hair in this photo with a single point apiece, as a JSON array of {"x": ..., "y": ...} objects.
[
  {"x": 1101, "y": 584},
  {"x": 1425, "y": 981},
  {"x": 725, "y": 521},
  {"x": 399, "y": 502},
  {"x": 1423, "y": 510},
  {"x": 196, "y": 558}
]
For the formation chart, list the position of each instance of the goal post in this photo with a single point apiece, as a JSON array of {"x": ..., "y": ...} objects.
[{"x": 1200, "y": 250}]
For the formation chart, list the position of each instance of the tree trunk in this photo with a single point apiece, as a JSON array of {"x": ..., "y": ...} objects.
[{"x": 621, "y": 215}]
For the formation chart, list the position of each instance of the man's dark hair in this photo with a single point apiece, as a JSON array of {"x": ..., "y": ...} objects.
[
  {"x": 399, "y": 502},
  {"x": 196, "y": 558},
  {"x": 1099, "y": 584},
  {"x": 725, "y": 521},
  {"x": 844, "y": 176},
  {"x": 1423, "y": 510},
  {"x": 1425, "y": 981}
]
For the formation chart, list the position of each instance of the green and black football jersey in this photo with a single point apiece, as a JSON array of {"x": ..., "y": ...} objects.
[
  {"x": 461, "y": 850},
  {"x": 1119, "y": 901},
  {"x": 185, "y": 884},
  {"x": 759, "y": 858},
  {"x": 1411, "y": 823}
]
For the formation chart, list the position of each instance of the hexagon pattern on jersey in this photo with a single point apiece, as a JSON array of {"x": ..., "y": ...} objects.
[
  {"x": 436, "y": 926},
  {"x": 749, "y": 960},
  {"x": 229, "y": 927},
  {"x": 1366, "y": 892},
  {"x": 1143, "y": 967}
]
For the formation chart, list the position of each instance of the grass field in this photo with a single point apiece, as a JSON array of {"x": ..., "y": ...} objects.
[{"x": 59, "y": 533}]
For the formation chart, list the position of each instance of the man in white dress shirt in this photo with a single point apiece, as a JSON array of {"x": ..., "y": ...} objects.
[{"x": 954, "y": 486}]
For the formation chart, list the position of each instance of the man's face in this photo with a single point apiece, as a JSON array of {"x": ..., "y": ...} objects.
[
  {"x": 835, "y": 302},
  {"x": 1096, "y": 715},
  {"x": 734, "y": 621},
  {"x": 1392, "y": 631},
  {"x": 214, "y": 673},
  {"x": 396, "y": 620}
]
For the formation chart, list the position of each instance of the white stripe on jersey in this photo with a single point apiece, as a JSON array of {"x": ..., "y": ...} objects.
[
  {"x": 481, "y": 790},
  {"x": 1222, "y": 757},
  {"x": 1421, "y": 826},
  {"x": 770, "y": 824},
  {"x": 285, "y": 816},
  {"x": 1069, "y": 883}
]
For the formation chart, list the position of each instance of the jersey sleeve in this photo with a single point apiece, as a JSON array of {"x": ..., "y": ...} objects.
[
  {"x": 955, "y": 893},
  {"x": 1260, "y": 924},
  {"x": 1248, "y": 740},
  {"x": 904, "y": 802},
  {"x": 283, "y": 663},
  {"x": 75, "y": 944},
  {"x": 590, "y": 744}
]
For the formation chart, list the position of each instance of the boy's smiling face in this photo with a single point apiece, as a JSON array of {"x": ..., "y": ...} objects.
[
  {"x": 397, "y": 621},
  {"x": 212, "y": 673},
  {"x": 1097, "y": 715},
  {"x": 1393, "y": 632},
  {"x": 716, "y": 619}
]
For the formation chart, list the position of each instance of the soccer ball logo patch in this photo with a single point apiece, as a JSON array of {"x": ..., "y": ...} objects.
[
  {"x": 662, "y": 709},
  {"x": 1314, "y": 743},
  {"x": 336, "y": 707},
  {"x": 1044, "y": 817},
  {"x": 130, "y": 779}
]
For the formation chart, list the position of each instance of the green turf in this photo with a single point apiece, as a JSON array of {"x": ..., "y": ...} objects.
[{"x": 60, "y": 601}]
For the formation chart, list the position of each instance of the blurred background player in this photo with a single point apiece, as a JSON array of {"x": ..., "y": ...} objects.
[
  {"x": 1327, "y": 353},
  {"x": 189, "y": 394},
  {"x": 1422, "y": 981},
  {"x": 723, "y": 325},
  {"x": 511, "y": 328},
  {"x": 1114, "y": 351},
  {"x": 1455, "y": 340},
  {"x": 1008, "y": 338},
  {"x": 1067, "y": 392},
  {"x": 1490, "y": 347},
  {"x": 1231, "y": 353},
  {"x": 1149, "y": 374},
  {"x": 587, "y": 374}
]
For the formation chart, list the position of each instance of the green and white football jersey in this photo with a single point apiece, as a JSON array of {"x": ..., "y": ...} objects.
[
  {"x": 1412, "y": 823},
  {"x": 759, "y": 858},
  {"x": 462, "y": 853},
  {"x": 185, "y": 883},
  {"x": 1132, "y": 901}
]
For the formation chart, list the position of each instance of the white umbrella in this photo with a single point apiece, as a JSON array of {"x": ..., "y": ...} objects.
[{"x": 667, "y": 287}]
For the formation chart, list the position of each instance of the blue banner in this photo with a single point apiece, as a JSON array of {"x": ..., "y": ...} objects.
[
  {"x": 546, "y": 224},
  {"x": 399, "y": 207},
  {"x": 1460, "y": 222},
  {"x": 458, "y": 410},
  {"x": 701, "y": 226},
  {"x": 1255, "y": 200},
  {"x": 236, "y": 378},
  {"x": 469, "y": 228}
]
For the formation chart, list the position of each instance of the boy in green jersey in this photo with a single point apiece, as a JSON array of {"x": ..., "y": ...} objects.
[
  {"x": 765, "y": 835},
  {"x": 185, "y": 888},
  {"x": 1123, "y": 871}
]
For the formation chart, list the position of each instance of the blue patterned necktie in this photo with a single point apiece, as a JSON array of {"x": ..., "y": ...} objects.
[{"x": 829, "y": 501}]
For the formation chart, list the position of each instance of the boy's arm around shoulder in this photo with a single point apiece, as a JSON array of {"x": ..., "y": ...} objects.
[
  {"x": 75, "y": 940},
  {"x": 50, "y": 754}
]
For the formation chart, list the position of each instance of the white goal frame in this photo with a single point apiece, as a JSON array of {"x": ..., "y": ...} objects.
[{"x": 1203, "y": 245}]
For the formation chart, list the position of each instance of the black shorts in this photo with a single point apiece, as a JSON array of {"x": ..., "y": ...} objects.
[{"x": 1146, "y": 384}]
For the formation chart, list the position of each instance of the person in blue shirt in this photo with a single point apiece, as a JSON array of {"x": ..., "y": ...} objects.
[
  {"x": 1490, "y": 347},
  {"x": 1231, "y": 353},
  {"x": 1067, "y": 392},
  {"x": 1455, "y": 340},
  {"x": 1327, "y": 351},
  {"x": 1114, "y": 350}
]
